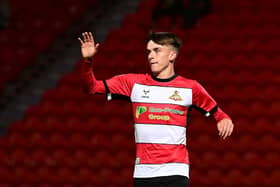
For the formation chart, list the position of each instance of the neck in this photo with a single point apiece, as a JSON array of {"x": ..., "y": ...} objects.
[{"x": 166, "y": 74}]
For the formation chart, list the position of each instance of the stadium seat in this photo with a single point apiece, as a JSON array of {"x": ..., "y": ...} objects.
[
  {"x": 273, "y": 178},
  {"x": 255, "y": 177},
  {"x": 234, "y": 177}
]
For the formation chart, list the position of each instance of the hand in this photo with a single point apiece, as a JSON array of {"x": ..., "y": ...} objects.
[
  {"x": 88, "y": 46},
  {"x": 225, "y": 128}
]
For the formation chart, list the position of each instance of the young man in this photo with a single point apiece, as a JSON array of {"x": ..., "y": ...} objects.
[{"x": 161, "y": 103}]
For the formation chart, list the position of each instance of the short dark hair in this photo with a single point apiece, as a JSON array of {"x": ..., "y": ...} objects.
[{"x": 165, "y": 38}]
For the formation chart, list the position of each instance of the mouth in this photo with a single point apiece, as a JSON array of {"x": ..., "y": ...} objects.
[{"x": 151, "y": 63}]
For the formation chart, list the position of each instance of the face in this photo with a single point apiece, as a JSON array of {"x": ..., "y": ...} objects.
[{"x": 160, "y": 57}]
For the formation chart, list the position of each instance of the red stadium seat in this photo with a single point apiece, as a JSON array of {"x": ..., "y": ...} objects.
[
  {"x": 212, "y": 177},
  {"x": 85, "y": 175},
  {"x": 229, "y": 160},
  {"x": 268, "y": 142},
  {"x": 63, "y": 175},
  {"x": 39, "y": 157},
  {"x": 234, "y": 177},
  {"x": 203, "y": 143},
  {"x": 31, "y": 124},
  {"x": 255, "y": 177},
  {"x": 79, "y": 140},
  {"x": 16, "y": 139},
  {"x": 23, "y": 175},
  {"x": 273, "y": 178},
  {"x": 102, "y": 158},
  {"x": 252, "y": 160},
  {"x": 99, "y": 142},
  {"x": 36, "y": 140},
  {"x": 244, "y": 142},
  {"x": 125, "y": 159},
  {"x": 125, "y": 177},
  {"x": 58, "y": 141},
  {"x": 271, "y": 160},
  {"x": 209, "y": 160}
]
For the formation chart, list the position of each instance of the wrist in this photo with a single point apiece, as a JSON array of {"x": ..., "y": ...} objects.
[{"x": 88, "y": 59}]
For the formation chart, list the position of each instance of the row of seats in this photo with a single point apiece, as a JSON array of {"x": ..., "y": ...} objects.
[
  {"x": 99, "y": 158},
  {"x": 72, "y": 159},
  {"x": 96, "y": 140},
  {"x": 197, "y": 128},
  {"x": 60, "y": 176},
  {"x": 92, "y": 124},
  {"x": 234, "y": 177},
  {"x": 66, "y": 109},
  {"x": 99, "y": 178}
]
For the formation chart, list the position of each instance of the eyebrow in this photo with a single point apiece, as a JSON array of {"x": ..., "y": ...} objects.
[{"x": 154, "y": 49}]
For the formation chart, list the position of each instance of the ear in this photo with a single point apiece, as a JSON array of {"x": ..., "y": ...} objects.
[{"x": 172, "y": 56}]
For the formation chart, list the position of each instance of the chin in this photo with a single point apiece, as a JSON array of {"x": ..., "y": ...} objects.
[{"x": 155, "y": 71}]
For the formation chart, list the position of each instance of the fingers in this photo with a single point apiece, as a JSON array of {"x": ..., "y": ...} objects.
[
  {"x": 81, "y": 41},
  {"x": 221, "y": 128},
  {"x": 230, "y": 129},
  {"x": 225, "y": 128},
  {"x": 87, "y": 37},
  {"x": 90, "y": 37},
  {"x": 97, "y": 45}
]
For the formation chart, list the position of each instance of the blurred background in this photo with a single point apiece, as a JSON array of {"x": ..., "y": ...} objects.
[{"x": 52, "y": 134}]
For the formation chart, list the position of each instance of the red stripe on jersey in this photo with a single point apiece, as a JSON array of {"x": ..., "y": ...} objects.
[
  {"x": 150, "y": 113},
  {"x": 161, "y": 153}
]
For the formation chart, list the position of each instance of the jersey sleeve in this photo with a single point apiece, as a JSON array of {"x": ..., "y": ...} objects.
[
  {"x": 204, "y": 103},
  {"x": 90, "y": 84},
  {"x": 119, "y": 85}
]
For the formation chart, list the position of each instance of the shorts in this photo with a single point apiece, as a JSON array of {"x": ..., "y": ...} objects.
[{"x": 166, "y": 181}]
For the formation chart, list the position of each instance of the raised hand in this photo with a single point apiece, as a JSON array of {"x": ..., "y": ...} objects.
[
  {"x": 88, "y": 46},
  {"x": 225, "y": 128}
]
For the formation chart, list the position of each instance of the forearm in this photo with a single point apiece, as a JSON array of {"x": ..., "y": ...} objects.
[{"x": 90, "y": 84}]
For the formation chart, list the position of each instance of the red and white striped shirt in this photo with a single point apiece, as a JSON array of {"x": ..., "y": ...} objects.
[{"x": 160, "y": 108}]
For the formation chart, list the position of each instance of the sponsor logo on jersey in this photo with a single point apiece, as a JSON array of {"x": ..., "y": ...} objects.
[
  {"x": 175, "y": 96},
  {"x": 146, "y": 92},
  {"x": 158, "y": 110},
  {"x": 140, "y": 110},
  {"x": 159, "y": 117}
]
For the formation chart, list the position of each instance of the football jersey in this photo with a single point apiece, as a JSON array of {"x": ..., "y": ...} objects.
[{"x": 161, "y": 109}]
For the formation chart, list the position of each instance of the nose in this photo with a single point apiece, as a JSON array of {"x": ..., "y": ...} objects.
[{"x": 150, "y": 56}]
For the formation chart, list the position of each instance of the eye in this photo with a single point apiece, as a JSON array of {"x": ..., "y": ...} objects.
[{"x": 157, "y": 50}]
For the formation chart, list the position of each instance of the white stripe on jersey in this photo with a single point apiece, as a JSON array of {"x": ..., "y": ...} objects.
[
  {"x": 161, "y": 95},
  {"x": 160, "y": 134},
  {"x": 158, "y": 170}
]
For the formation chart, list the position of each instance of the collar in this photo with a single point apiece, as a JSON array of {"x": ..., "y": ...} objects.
[{"x": 164, "y": 80}]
